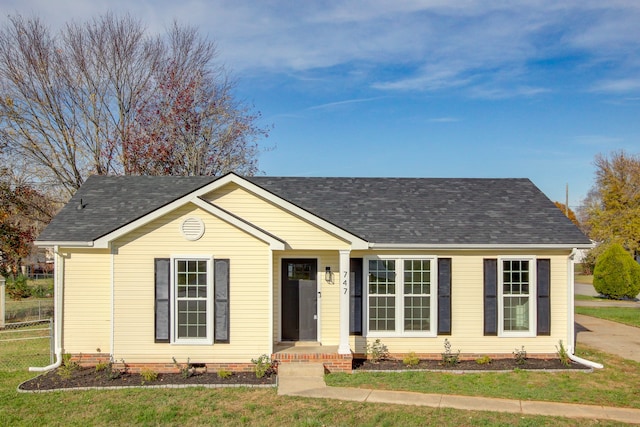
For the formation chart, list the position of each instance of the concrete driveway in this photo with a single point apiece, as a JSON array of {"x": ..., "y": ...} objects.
[{"x": 610, "y": 337}]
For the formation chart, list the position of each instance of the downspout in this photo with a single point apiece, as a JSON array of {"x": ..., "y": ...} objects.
[
  {"x": 571, "y": 318},
  {"x": 58, "y": 282}
]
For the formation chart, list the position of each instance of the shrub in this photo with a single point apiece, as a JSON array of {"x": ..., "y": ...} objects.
[
  {"x": 563, "y": 354},
  {"x": 616, "y": 275},
  {"x": 263, "y": 366},
  {"x": 448, "y": 357},
  {"x": 67, "y": 367},
  {"x": 376, "y": 351},
  {"x": 411, "y": 359},
  {"x": 186, "y": 370},
  {"x": 484, "y": 360},
  {"x": 223, "y": 373},
  {"x": 520, "y": 356},
  {"x": 17, "y": 288},
  {"x": 148, "y": 375}
]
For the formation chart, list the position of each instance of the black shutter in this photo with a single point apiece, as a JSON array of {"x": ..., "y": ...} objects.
[
  {"x": 491, "y": 297},
  {"x": 355, "y": 296},
  {"x": 543, "y": 277},
  {"x": 221, "y": 292},
  {"x": 444, "y": 296},
  {"x": 162, "y": 273}
]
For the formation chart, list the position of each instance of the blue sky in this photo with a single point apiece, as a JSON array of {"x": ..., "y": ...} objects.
[{"x": 420, "y": 88}]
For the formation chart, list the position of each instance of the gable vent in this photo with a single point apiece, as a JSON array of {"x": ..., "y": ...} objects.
[{"x": 192, "y": 228}]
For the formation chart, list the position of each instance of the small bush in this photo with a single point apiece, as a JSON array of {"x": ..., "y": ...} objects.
[
  {"x": 377, "y": 351},
  {"x": 148, "y": 375},
  {"x": 67, "y": 367},
  {"x": 263, "y": 366},
  {"x": 186, "y": 370},
  {"x": 411, "y": 359},
  {"x": 42, "y": 291},
  {"x": 448, "y": 357},
  {"x": 17, "y": 288},
  {"x": 563, "y": 354},
  {"x": 484, "y": 360},
  {"x": 101, "y": 366},
  {"x": 616, "y": 275},
  {"x": 520, "y": 356},
  {"x": 223, "y": 373}
]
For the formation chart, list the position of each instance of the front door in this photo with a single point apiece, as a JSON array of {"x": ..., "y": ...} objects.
[{"x": 299, "y": 300}]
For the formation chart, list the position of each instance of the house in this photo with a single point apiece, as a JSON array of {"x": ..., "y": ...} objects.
[{"x": 220, "y": 270}]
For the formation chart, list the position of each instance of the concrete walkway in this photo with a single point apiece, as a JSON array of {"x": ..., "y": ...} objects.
[{"x": 306, "y": 380}]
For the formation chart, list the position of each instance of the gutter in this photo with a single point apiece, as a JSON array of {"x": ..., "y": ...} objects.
[
  {"x": 57, "y": 313},
  {"x": 571, "y": 319}
]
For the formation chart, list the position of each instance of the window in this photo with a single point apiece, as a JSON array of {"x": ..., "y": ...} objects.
[
  {"x": 517, "y": 296},
  {"x": 401, "y": 296},
  {"x": 193, "y": 302}
]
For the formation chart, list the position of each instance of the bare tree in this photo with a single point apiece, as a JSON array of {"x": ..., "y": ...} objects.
[{"x": 99, "y": 96}]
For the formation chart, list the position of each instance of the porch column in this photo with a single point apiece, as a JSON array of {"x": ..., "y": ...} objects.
[{"x": 344, "y": 348}]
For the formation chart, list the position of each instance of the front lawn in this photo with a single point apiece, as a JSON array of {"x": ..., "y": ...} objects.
[
  {"x": 627, "y": 315},
  {"x": 232, "y": 407},
  {"x": 601, "y": 387}
]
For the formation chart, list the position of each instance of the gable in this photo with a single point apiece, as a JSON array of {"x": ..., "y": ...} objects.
[{"x": 297, "y": 232}]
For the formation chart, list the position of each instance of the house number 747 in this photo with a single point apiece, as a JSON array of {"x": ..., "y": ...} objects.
[{"x": 344, "y": 281}]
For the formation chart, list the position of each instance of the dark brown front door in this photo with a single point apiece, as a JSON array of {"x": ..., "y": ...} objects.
[{"x": 299, "y": 300}]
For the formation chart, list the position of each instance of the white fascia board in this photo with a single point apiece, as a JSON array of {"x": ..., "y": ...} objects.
[
  {"x": 274, "y": 243},
  {"x": 52, "y": 243},
  {"x": 475, "y": 246},
  {"x": 356, "y": 242}
]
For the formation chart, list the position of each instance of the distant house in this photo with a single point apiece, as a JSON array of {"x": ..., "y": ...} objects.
[{"x": 223, "y": 269}]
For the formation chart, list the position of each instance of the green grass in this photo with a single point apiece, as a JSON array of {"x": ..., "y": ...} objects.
[
  {"x": 243, "y": 406},
  {"x": 234, "y": 407},
  {"x": 627, "y": 315},
  {"x": 601, "y": 387},
  {"x": 583, "y": 278}
]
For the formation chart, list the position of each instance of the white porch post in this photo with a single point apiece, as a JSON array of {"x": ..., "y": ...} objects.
[{"x": 344, "y": 348}]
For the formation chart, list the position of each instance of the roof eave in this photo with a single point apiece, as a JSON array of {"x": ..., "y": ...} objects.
[
  {"x": 64, "y": 243},
  {"x": 474, "y": 246}
]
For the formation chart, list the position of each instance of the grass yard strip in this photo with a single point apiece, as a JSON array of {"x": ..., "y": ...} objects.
[
  {"x": 232, "y": 407},
  {"x": 601, "y": 387},
  {"x": 583, "y": 278},
  {"x": 627, "y": 315}
]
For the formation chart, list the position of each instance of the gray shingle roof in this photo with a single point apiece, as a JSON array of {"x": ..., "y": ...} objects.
[{"x": 429, "y": 211}]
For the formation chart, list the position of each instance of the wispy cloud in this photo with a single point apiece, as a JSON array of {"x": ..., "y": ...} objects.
[
  {"x": 617, "y": 86},
  {"x": 330, "y": 105}
]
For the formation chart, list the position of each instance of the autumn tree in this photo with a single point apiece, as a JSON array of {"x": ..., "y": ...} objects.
[
  {"x": 23, "y": 213},
  {"x": 70, "y": 100},
  {"x": 191, "y": 125},
  {"x": 568, "y": 213},
  {"x": 613, "y": 207}
]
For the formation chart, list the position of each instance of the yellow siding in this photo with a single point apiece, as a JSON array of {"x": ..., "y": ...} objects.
[
  {"x": 298, "y": 233},
  {"x": 87, "y": 305},
  {"x": 250, "y": 280},
  {"x": 467, "y": 311}
]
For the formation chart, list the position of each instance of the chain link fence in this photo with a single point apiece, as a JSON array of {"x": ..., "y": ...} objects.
[
  {"x": 25, "y": 344},
  {"x": 29, "y": 309}
]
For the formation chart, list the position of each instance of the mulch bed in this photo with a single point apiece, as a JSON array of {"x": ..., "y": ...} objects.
[
  {"x": 467, "y": 365},
  {"x": 89, "y": 377}
]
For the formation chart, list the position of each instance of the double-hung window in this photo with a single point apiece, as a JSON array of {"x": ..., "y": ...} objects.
[
  {"x": 517, "y": 298},
  {"x": 193, "y": 303},
  {"x": 401, "y": 296}
]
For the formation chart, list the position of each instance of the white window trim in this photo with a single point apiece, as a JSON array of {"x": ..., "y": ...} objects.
[
  {"x": 174, "y": 301},
  {"x": 399, "y": 332},
  {"x": 533, "y": 293}
]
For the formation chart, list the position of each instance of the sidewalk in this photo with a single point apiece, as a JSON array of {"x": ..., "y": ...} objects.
[{"x": 306, "y": 380}]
